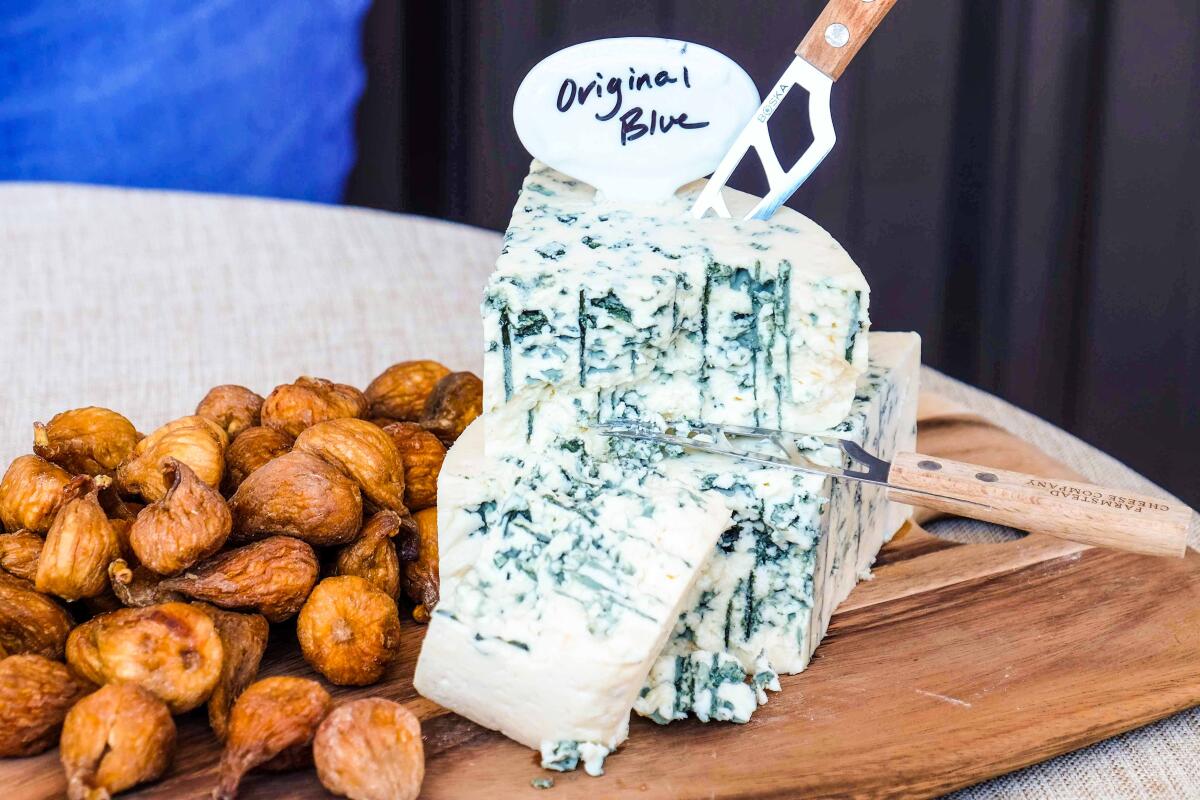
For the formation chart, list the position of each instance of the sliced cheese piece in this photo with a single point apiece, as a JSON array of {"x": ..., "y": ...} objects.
[{"x": 562, "y": 576}]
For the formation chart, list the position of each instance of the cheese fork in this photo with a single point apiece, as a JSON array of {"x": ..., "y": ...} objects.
[
  {"x": 834, "y": 39},
  {"x": 1080, "y": 512}
]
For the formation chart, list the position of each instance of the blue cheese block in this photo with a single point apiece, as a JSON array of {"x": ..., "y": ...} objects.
[
  {"x": 549, "y": 545},
  {"x": 796, "y": 546},
  {"x": 732, "y": 321},
  {"x": 562, "y": 576}
]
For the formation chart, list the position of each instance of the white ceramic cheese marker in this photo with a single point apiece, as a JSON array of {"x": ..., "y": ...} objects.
[
  {"x": 634, "y": 117},
  {"x": 822, "y": 56}
]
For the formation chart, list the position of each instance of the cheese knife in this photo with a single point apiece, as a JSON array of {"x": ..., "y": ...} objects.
[
  {"x": 832, "y": 42},
  {"x": 1080, "y": 512}
]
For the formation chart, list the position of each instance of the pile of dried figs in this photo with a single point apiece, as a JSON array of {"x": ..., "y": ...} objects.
[{"x": 142, "y": 575}]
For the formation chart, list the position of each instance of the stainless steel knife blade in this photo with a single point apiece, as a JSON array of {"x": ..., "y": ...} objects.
[
  {"x": 1081, "y": 512},
  {"x": 841, "y": 29}
]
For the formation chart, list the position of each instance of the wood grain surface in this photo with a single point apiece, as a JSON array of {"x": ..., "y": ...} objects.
[
  {"x": 955, "y": 664},
  {"x": 860, "y": 18}
]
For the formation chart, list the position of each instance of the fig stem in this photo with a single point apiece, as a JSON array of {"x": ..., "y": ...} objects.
[
  {"x": 40, "y": 437},
  {"x": 233, "y": 768}
]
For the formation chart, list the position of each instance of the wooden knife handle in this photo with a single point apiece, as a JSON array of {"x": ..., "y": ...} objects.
[
  {"x": 839, "y": 33},
  {"x": 1080, "y": 512}
]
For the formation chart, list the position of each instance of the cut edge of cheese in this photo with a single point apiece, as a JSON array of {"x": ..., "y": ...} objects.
[
  {"x": 797, "y": 546},
  {"x": 901, "y": 353},
  {"x": 764, "y": 319},
  {"x": 544, "y": 671}
]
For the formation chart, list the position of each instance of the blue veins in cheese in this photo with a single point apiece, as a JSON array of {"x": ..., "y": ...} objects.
[
  {"x": 583, "y": 577},
  {"x": 734, "y": 321},
  {"x": 561, "y": 577},
  {"x": 708, "y": 684},
  {"x": 796, "y": 546},
  {"x": 564, "y": 756}
]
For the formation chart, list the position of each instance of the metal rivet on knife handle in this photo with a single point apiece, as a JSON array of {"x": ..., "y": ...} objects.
[
  {"x": 837, "y": 35},
  {"x": 841, "y": 30}
]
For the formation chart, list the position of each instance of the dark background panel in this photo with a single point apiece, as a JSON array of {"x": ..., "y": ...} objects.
[
  {"x": 1141, "y": 330},
  {"x": 1015, "y": 179}
]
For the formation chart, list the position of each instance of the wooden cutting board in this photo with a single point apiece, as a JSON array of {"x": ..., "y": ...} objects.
[{"x": 955, "y": 664}]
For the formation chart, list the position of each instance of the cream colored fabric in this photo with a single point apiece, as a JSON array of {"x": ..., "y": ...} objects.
[{"x": 141, "y": 301}]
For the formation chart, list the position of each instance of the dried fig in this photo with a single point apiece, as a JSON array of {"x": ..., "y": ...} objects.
[
  {"x": 401, "y": 390},
  {"x": 30, "y": 494},
  {"x": 79, "y": 545},
  {"x": 82, "y": 652},
  {"x": 31, "y": 622},
  {"x": 293, "y": 407},
  {"x": 171, "y": 650},
  {"x": 273, "y": 718},
  {"x": 19, "y": 553},
  {"x": 244, "y": 639},
  {"x": 370, "y": 749},
  {"x": 364, "y": 453},
  {"x": 408, "y": 542},
  {"x": 35, "y": 694},
  {"x": 234, "y": 408},
  {"x": 251, "y": 449},
  {"x": 373, "y": 557},
  {"x": 421, "y": 576},
  {"x": 198, "y": 442},
  {"x": 138, "y": 587},
  {"x": 455, "y": 402},
  {"x": 118, "y": 507},
  {"x": 273, "y": 576},
  {"x": 10, "y": 580},
  {"x": 298, "y": 495},
  {"x": 114, "y": 739},
  {"x": 422, "y": 454},
  {"x": 85, "y": 441},
  {"x": 192, "y": 421},
  {"x": 348, "y": 630},
  {"x": 122, "y": 527},
  {"x": 190, "y": 523}
]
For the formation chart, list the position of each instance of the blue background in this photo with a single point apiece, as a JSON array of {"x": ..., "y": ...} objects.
[{"x": 236, "y": 96}]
